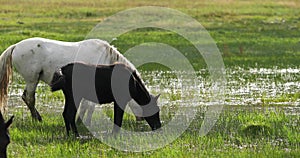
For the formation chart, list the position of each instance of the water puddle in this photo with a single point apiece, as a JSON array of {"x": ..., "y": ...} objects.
[{"x": 245, "y": 89}]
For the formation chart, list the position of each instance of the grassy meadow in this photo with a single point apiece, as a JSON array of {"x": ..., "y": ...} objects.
[{"x": 260, "y": 46}]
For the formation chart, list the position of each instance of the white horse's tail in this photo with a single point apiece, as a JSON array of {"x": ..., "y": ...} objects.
[{"x": 5, "y": 75}]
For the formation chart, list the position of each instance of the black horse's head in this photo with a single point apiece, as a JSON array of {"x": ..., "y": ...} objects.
[
  {"x": 4, "y": 136},
  {"x": 147, "y": 101},
  {"x": 58, "y": 81},
  {"x": 151, "y": 113}
]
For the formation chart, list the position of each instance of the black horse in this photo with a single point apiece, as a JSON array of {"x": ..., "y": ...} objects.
[
  {"x": 4, "y": 136},
  {"x": 102, "y": 84}
]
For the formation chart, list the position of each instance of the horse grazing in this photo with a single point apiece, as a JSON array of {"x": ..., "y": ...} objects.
[
  {"x": 4, "y": 136},
  {"x": 102, "y": 84},
  {"x": 37, "y": 59}
]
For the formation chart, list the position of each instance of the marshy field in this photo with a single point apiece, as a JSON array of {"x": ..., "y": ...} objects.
[{"x": 260, "y": 45}]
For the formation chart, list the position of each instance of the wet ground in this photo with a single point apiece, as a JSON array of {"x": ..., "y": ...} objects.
[{"x": 258, "y": 88}]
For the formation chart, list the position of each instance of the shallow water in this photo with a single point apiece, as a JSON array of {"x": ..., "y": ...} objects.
[
  {"x": 245, "y": 86},
  {"x": 249, "y": 88}
]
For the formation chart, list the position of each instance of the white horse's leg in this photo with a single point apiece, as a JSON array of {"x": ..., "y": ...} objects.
[
  {"x": 87, "y": 108},
  {"x": 29, "y": 98},
  {"x": 91, "y": 110},
  {"x": 82, "y": 110}
]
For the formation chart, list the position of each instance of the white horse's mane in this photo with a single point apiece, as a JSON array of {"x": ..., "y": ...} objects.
[{"x": 116, "y": 56}]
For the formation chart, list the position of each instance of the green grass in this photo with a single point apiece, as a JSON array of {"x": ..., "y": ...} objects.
[
  {"x": 236, "y": 133},
  {"x": 247, "y": 33}
]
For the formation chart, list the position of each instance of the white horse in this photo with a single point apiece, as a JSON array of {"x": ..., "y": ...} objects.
[{"x": 37, "y": 59}]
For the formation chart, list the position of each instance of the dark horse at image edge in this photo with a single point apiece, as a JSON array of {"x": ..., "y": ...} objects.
[
  {"x": 4, "y": 136},
  {"x": 102, "y": 84}
]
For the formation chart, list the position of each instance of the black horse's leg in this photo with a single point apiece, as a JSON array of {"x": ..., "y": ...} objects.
[
  {"x": 118, "y": 118},
  {"x": 66, "y": 116},
  {"x": 69, "y": 117},
  {"x": 72, "y": 112}
]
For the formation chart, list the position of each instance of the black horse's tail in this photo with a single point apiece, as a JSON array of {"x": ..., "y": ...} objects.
[{"x": 58, "y": 81}]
